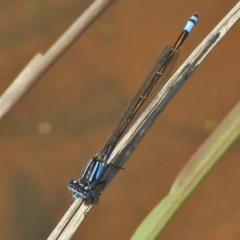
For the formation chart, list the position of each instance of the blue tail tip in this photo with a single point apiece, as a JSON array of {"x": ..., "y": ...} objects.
[{"x": 195, "y": 16}]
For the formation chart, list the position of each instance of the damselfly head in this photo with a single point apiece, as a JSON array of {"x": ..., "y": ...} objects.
[{"x": 80, "y": 189}]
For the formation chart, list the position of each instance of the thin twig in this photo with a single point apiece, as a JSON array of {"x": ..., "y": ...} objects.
[
  {"x": 41, "y": 63},
  {"x": 126, "y": 146},
  {"x": 76, "y": 214}
]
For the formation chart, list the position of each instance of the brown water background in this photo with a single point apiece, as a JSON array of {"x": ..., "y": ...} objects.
[{"x": 48, "y": 137}]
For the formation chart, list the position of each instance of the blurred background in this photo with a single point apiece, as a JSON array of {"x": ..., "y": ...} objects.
[{"x": 51, "y": 133}]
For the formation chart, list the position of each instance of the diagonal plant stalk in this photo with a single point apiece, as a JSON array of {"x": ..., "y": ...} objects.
[
  {"x": 42, "y": 62},
  {"x": 191, "y": 175},
  {"x": 76, "y": 213},
  {"x": 204, "y": 159}
]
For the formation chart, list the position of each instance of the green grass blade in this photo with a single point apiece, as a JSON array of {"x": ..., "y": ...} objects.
[{"x": 191, "y": 175}]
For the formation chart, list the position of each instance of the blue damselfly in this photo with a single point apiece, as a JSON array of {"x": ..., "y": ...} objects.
[{"x": 96, "y": 166}]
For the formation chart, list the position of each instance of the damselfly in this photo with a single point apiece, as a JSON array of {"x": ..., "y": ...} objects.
[{"x": 83, "y": 187}]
